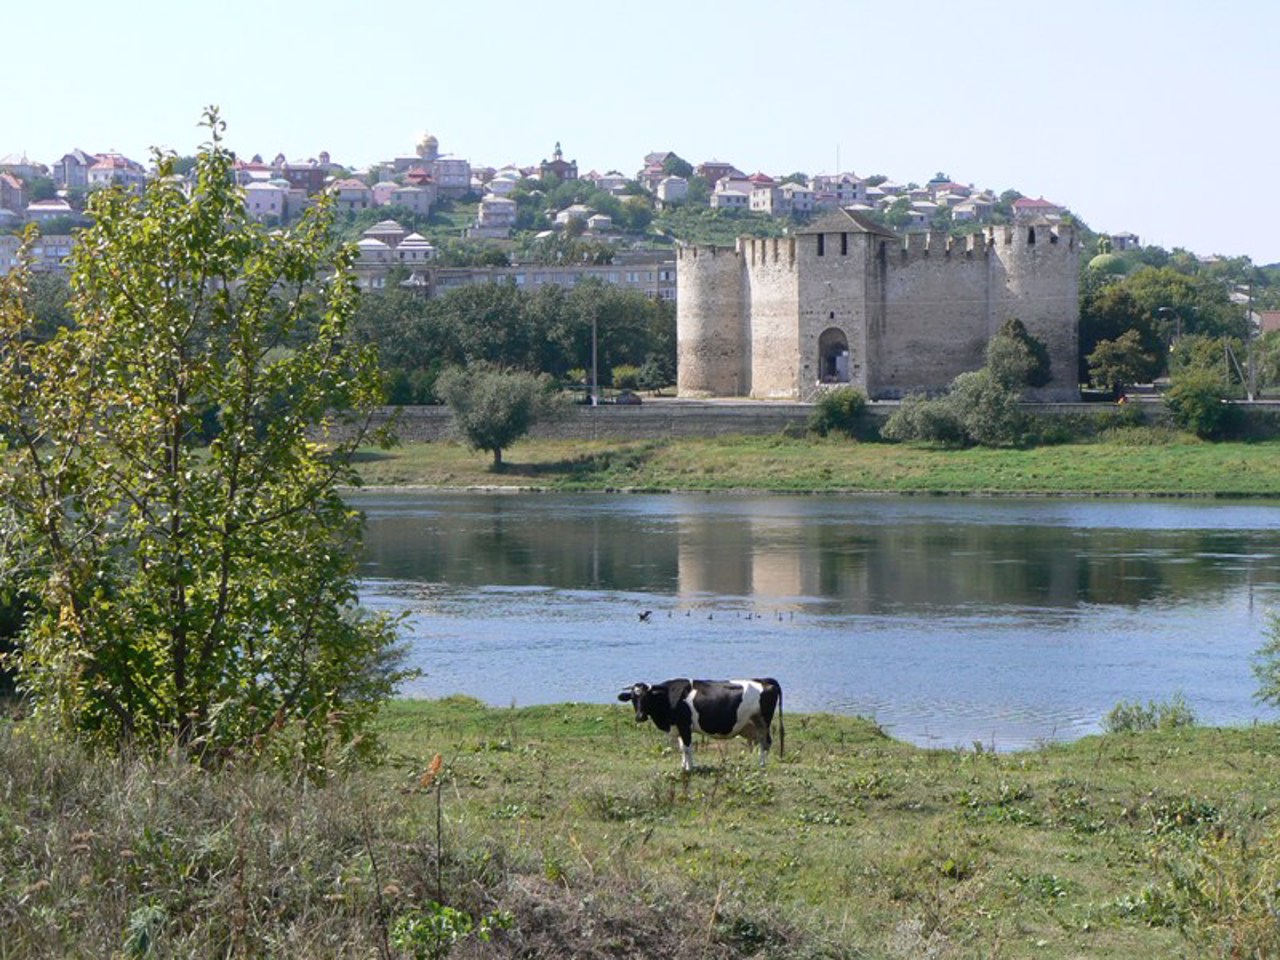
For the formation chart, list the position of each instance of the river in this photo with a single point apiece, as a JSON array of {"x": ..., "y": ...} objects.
[{"x": 949, "y": 621}]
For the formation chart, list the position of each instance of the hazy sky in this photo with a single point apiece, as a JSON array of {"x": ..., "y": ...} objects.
[{"x": 1158, "y": 118}]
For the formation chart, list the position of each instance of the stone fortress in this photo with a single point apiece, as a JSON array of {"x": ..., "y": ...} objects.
[{"x": 847, "y": 301}]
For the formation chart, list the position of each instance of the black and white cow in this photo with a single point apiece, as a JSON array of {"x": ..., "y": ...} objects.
[{"x": 718, "y": 708}]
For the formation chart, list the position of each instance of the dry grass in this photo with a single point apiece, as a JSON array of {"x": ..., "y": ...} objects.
[{"x": 573, "y": 830}]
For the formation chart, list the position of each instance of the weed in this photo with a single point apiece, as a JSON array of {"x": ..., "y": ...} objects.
[{"x": 1126, "y": 717}]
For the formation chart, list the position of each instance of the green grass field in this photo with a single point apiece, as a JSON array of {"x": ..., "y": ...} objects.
[
  {"x": 855, "y": 841},
  {"x": 1140, "y": 463}
]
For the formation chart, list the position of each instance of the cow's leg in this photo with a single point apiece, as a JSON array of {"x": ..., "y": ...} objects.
[{"x": 686, "y": 748}]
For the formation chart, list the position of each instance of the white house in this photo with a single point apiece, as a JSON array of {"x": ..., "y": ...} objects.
[
  {"x": 113, "y": 169},
  {"x": 672, "y": 190},
  {"x": 42, "y": 211},
  {"x": 266, "y": 201},
  {"x": 576, "y": 212},
  {"x": 495, "y": 217},
  {"x": 351, "y": 195},
  {"x": 731, "y": 194},
  {"x": 452, "y": 176},
  {"x": 417, "y": 200}
]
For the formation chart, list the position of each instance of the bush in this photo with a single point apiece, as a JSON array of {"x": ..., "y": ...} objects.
[
  {"x": 1126, "y": 717},
  {"x": 920, "y": 418},
  {"x": 1266, "y": 664},
  {"x": 988, "y": 409},
  {"x": 839, "y": 411},
  {"x": 626, "y": 376},
  {"x": 1197, "y": 401},
  {"x": 979, "y": 409}
]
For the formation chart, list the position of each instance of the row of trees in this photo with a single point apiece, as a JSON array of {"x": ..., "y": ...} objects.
[{"x": 546, "y": 331}]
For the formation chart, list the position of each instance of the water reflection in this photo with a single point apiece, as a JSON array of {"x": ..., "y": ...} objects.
[{"x": 949, "y": 620}]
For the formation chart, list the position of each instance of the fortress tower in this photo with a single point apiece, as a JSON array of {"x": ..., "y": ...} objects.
[{"x": 845, "y": 300}]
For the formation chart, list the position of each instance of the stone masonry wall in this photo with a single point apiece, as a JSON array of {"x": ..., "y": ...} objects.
[{"x": 938, "y": 315}]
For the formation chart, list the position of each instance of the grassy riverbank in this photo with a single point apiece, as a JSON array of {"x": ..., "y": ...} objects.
[
  {"x": 1140, "y": 462},
  {"x": 573, "y": 827}
]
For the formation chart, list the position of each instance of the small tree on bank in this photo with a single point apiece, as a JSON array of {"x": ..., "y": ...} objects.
[
  {"x": 493, "y": 408},
  {"x": 173, "y": 513}
]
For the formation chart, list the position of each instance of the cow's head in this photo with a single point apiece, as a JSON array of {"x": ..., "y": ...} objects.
[{"x": 638, "y": 695}]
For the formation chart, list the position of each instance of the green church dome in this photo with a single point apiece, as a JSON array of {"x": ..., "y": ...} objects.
[{"x": 1108, "y": 263}]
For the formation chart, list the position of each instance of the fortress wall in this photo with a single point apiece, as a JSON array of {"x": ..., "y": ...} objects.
[
  {"x": 711, "y": 323},
  {"x": 937, "y": 307},
  {"x": 771, "y": 298},
  {"x": 1041, "y": 270},
  {"x": 833, "y": 293}
]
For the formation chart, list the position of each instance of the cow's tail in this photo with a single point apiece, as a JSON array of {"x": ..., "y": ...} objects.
[{"x": 782, "y": 730}]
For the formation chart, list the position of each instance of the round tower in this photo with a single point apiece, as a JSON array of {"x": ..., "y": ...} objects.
[
  {"x": 711, "y": 347},
  {"x": 1041, "y": 262}
]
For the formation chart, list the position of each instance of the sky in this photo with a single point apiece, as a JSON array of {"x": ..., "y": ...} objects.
[{"x": 1155, "y": 118}]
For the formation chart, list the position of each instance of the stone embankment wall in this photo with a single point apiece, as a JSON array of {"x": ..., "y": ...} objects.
[
  {"x": 686, "y": 418},
  {"x": 699, "y": 418}
]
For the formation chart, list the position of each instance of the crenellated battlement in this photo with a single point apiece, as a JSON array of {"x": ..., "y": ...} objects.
[
  {"x": 694, "y": 251},
  {"x": 1041, "y": 234}
]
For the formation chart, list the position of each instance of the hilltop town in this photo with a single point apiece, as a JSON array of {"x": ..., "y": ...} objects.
[{"x": 432, "y": 221}]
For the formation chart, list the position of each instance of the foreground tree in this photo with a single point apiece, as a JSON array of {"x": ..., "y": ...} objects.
[
  {"x": 493, "y": 408},
  {"x": 174, "y": 512}
]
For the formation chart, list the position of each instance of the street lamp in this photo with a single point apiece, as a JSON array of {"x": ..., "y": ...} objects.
[{"x": 1165, "y": 313}]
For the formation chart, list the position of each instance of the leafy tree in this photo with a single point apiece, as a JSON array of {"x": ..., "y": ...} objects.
[
  {"x": 188, "y": 592},
  {"x": 676, "y": 166},
  {"x": 1018, "y": 359},
  {"x": 48, "y": 297},
  {"x": 1108, "y": 311},
  {"x": 492, "y": 408},
  {"x": 43, "y": 188},
  {"x": 898, "y": 215},
  {"x": 1209, "y": 354},
  {"x": 1267, "y": 358},
  {"x": 1116, "y": 363},
  {"x": 625, "y": 376},
  {"x": 987, "y": 408},
  {"x": 654, "y": 374},
  {"x": 1197, "y": 399}
]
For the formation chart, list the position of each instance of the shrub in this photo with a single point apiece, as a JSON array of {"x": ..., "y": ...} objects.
[
  {"x": 920, "y": 418},
  {"x": 979, "y": 409},
  {"x": 626, "y": 376},
  {"x": 1266, "y": 664},
  {"x": 988, "y": 409},
  {"x": 1126, "y": 717},
  {"x": 1197, "y": 402},
  {"x": 839, "y": 411}
]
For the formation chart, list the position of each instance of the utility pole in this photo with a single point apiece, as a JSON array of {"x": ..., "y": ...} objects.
[
  {"x": 595, "y": 383},
  {"x": 1251, "y": 387}
]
